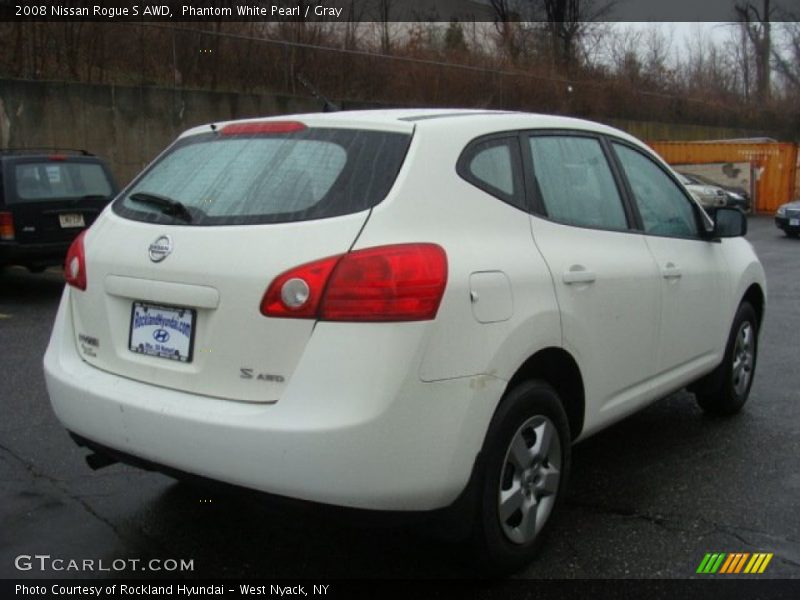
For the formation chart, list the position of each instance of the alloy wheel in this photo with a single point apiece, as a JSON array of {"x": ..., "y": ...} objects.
[{"x": 530, "y": 479}]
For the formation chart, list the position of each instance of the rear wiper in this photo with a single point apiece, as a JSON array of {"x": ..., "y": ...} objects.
[{"x": 168, "y": 206}]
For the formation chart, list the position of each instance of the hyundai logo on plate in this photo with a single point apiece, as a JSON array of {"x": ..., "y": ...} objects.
[
  {"x": 161, "y": 335},
  {"x": 160, "y": 249}
]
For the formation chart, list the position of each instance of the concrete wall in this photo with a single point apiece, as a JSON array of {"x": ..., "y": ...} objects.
[{"x": 128, "y": 126}]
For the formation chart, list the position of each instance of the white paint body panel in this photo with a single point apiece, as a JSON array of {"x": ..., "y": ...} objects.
[
  {"x": 383, "y": 415},
  {"x": 610, "y": 323}
]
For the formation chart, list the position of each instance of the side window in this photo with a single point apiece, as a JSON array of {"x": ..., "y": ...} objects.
[
  {"x": 493, "y": 166},
  {"x": 575, "y": 182},
  {"x": 664, "y": 208}
]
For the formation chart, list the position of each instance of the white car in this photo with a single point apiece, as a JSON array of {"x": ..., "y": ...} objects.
[
  {"x": 709, "y": 196},
  {"x": 404, "y": 310}
]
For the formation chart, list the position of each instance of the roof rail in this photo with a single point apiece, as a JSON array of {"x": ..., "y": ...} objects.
[{"x": 43, "y": 149}]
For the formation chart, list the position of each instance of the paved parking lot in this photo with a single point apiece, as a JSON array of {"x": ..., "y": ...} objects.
[{"x": 648, "y": 497}]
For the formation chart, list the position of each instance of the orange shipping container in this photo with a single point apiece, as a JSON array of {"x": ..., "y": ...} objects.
[{"x": 775, "y": 164}]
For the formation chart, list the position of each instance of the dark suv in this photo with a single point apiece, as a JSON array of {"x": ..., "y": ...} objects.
[{"x": 47, "y": 197}]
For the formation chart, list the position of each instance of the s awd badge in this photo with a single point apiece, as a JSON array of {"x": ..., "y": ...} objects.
[{"x": 245, "y": 373}]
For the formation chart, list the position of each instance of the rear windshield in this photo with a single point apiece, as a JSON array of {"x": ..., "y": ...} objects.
[
  {"x": 267, "y": 178},
  {"x": 49, "y": 180}
]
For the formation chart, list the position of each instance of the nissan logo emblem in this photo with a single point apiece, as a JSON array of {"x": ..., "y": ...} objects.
[{"x": 160, "y": 249}]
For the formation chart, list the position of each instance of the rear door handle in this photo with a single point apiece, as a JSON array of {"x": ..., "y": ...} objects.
[
  {"x": 671, "y": 271},
  {"x": 578, "y": 274}
]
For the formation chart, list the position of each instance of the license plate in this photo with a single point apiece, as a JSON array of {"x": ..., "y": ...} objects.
[
  {"x": 70, "y": 220},
  {"x": 162, "y": 331},
  {"x": 794, "y": 222}
]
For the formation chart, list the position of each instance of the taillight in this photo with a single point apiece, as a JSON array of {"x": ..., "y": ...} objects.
[
  {"x": 403, "y": 282},
  {"x": 262, "y": 127},
  {"x": 297, "y": 293},
  {"x": 389, "y": 283},
  {"x": 75, "y": 263},
  {"x": 6, "y": 226}
]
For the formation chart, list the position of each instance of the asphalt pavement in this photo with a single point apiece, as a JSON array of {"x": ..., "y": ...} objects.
[{"x": 648, "y": 497}]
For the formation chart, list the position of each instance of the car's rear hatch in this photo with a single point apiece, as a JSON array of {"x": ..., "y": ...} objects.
[
  {"x": 173, "y": 295},
  {"x": 51, "y": 198}
]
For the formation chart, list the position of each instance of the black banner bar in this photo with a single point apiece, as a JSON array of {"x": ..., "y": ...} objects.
[
  {"x": 372, "y": 10},
  {"x": 652, "y": 589}
]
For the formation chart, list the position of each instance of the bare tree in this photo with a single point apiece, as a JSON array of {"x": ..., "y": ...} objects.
[
  {"x": 567, "y": 22},
  {"x": 758, "y": 26},
  {"x": 504, "y": 23},
  {"x": 355, "y": 14},
  {"x": 657, "y": 48},
  {"x": 787, "y": 57},
  {"x": 385, "y": 15},
  {"x": 738, "y": 47},
  {"x": 708, "y": 71},
  {"x": 622, "y": 48}
]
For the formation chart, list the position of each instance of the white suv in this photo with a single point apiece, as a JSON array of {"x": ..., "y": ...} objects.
[{"x": 404, "y": 310}]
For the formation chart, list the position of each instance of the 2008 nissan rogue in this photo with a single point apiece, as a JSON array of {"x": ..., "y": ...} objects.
[{"x": 399, "y": 310}]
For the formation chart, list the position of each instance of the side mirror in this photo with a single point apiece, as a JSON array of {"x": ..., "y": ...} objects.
[{"x": 729, "y": 222}]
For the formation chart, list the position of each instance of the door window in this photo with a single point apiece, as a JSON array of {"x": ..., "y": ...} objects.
[
  {"x": 664, "y": 208},
  {"x": 576, "y": 183}
]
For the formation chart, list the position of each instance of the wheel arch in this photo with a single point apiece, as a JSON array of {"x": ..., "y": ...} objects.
[
  {"x": 558, "y": 368},
  {"x": 755, "y": 296}
]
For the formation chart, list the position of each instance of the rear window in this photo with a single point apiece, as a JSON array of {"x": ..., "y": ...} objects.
[
  {"x": 49, "y": 180},
  {"x": 267, "y": 178}
]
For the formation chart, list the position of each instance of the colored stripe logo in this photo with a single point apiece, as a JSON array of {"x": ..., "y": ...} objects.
[{"x": 734, "y": 563}]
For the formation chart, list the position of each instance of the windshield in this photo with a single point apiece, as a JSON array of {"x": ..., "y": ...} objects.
[
  {"x": 50, "y": 180},
  {"x": 235, "y": 179}
]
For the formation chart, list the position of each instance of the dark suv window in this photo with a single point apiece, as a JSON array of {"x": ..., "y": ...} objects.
[
  {"x": 313, "y": 173},
  {"x": 51, "y": 180},
  {"x": 47, "y": 197}
]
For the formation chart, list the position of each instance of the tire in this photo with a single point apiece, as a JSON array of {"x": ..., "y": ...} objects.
[
  {"x": 519, "y": 487},
  {"x": 791, "y": 234},
  {"x": 727, "y": 388}
]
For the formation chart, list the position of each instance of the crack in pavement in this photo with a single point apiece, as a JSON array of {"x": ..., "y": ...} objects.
[
  {"x": 623, "y": 512},
  {"x": 671, "y": 523},
  {"x": 37, "y": 474}
]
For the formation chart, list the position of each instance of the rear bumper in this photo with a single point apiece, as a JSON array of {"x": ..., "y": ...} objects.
[
  {"x": 382, "y": 440},
  {"x": 16, "y": 253}
]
